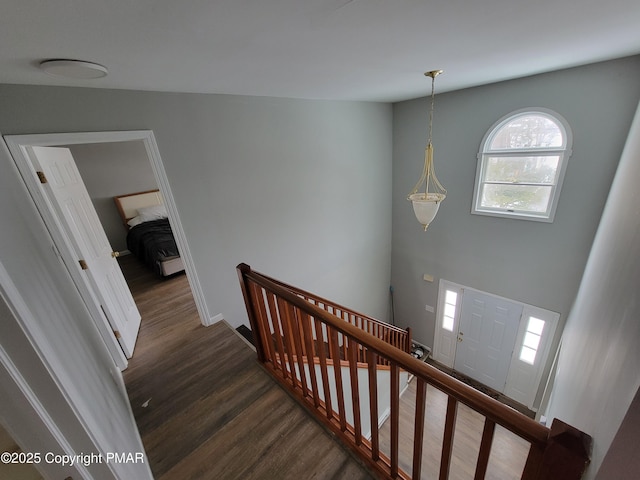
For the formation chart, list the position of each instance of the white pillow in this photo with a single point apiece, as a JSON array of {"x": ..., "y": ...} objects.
[
  {"x": 154, "y": 212},
  {"x": 146, "y": 214},
  {"x": 135, "y": 221}
]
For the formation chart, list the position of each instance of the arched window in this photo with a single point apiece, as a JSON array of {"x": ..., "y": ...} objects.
[{"x": 521, "y": 165}]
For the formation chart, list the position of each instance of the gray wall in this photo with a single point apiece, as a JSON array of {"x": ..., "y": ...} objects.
[
  {"x": 111, "y": 169},
  {"x": 598, "y": 375},
  {"x": 536, "y": 263},
  {"x": 298, "y": 189}
]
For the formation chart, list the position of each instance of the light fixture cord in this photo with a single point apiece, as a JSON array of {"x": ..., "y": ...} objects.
[
  {"x": 433, "y": 102},
  {"x": 428, "y": 163}
]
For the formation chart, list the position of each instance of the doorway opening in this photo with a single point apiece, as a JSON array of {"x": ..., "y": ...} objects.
[{"x": 21, "y": 147}]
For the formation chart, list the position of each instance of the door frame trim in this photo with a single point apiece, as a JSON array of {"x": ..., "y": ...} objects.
[
  {"x": 17, "y": 146},
  {"x": 535, "y": 372}
]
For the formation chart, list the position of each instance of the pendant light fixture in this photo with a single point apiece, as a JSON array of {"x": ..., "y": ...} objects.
[{"x": 427, "y": 203}]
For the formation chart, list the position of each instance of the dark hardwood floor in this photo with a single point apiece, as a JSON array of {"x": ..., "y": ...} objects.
[{"x": 205, "y": 408}]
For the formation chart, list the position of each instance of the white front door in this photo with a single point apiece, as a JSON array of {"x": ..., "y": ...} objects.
[
  {"x": 487, "y": 334},
  {"x": 72, "y": 206}
]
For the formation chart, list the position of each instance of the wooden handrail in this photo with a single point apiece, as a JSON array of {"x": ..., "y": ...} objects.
[
  {"x": 274, "y": 309},
  {"x": 396, "y": 336}
]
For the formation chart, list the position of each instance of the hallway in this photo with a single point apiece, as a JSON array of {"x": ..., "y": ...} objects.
[{"x": 205, "y": 408}]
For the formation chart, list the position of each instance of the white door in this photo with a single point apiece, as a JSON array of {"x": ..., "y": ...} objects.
[
  {"x": 72, "y": 205},
  {"x": 487, "y": 334}
]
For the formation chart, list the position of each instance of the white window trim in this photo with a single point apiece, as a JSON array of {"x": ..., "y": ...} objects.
[{"x": 564, "y": 153}]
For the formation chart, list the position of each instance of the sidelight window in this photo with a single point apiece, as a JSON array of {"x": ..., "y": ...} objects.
[
  {"x": 449, "y": 314},
  {"x": 531, "y": 341}
]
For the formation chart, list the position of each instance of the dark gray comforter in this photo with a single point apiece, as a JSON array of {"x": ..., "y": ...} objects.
[{"x": 152, "y": 242}]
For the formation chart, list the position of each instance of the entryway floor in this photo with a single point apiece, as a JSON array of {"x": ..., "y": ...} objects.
[{"x": 484, "y": 389}]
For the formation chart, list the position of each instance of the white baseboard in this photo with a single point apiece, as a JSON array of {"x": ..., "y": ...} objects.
[{"x": 215, "y": 319}]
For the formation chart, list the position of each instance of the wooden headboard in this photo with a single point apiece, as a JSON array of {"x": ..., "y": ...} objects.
[{"x": 129, "y": 204}]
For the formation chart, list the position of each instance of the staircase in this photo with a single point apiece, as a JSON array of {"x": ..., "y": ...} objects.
[{"x": 294, "y": 330}]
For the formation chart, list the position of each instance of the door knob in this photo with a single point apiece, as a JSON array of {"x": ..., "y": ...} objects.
[{"x": 115, "y": 254}]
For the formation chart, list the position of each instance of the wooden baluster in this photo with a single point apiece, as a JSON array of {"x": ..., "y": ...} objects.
[
  {"x": 344, "y": 347},
  {"x": 295, "y": 330},
  {"x": 305, "y": 323},
  {"x": 299, "y": 325},
  {"x": 277, "y": 333},
  {"x": 263, "y": 323},
  {"x": 269, "y": 325},
  {"x": 322, "y": 356},
  {"x": 334, "y": 349},
  {"x": 418, "y": 429},
  {"x": 395, "y": 417},
  {"x": 361, "y": 350},
  {"x": 372, "y": 367},
  {"x": 355, "y": 391},
  {"x": 295, "y": 350},
  {"x": 447, "y": 440},
  {"x": 485, "y": 449},
  {"x": 288, "y": 338},
  {"x": 392, "y": 334}
]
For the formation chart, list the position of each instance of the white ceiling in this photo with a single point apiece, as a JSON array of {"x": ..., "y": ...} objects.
[{"x": 371, "y": 50}]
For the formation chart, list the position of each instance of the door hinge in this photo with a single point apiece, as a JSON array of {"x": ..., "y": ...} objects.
[
  {"x": 42, "y": 177},
  {"x": 117, "y": 334},
  {"x": 83, "y": 265}
]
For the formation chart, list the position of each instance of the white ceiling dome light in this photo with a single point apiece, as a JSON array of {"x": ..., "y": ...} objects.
[{"x": 74, "y": 69}]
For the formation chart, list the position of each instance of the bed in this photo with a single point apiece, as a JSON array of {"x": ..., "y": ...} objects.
[{"x": 149, "y": 235}]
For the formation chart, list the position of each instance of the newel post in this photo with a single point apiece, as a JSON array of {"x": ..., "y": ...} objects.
[
  {"x": 567, "y": 453},
  {"x": 243, "y": 269}
]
